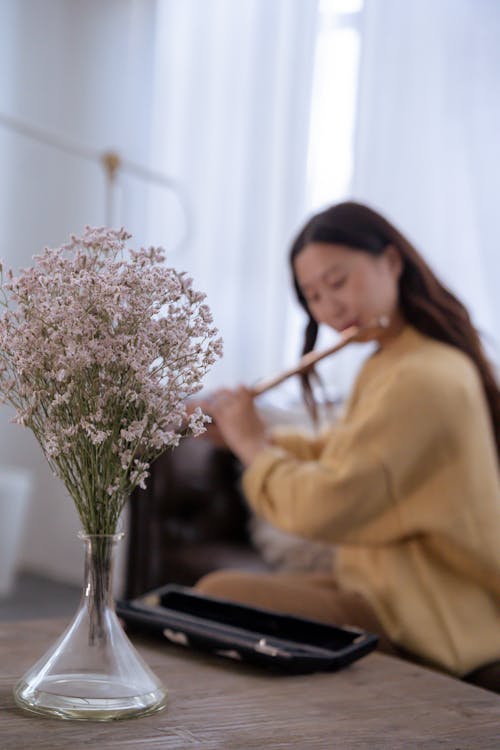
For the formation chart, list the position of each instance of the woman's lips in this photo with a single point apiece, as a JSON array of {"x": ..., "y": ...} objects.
[
  {"x": 350, "y": 324},
  {"x": 340, "y": 327}
]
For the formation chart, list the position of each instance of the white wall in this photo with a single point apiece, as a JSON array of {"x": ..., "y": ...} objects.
[{"x": 80, "y": 69}]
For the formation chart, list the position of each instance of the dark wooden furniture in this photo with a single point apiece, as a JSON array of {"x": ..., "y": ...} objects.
[
  {"x": 378, "y": 703},
  {"x": 191, "y": 519}
]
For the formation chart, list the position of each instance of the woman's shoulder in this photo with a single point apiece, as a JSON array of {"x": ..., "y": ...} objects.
[
  {"x": 428, "y": 366},
  {"x": 424, "y": 352}
]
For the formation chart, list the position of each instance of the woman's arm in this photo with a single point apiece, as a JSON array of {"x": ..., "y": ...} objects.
[{"x": 373, "y": 463}]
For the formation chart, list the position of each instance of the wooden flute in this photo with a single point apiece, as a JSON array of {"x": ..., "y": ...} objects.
[{"x": 349, "y": 335}]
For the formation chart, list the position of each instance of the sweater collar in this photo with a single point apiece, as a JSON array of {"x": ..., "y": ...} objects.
[{"x": 407, "y": 339}]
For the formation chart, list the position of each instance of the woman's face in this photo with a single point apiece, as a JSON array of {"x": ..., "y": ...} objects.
[{"x": 345, "y": 287}]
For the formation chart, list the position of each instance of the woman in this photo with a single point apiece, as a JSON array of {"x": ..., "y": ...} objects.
[{"x": 406, "y": 484}]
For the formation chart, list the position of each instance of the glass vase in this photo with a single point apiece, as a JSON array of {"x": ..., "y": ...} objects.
[{"x": 93, "y": 672}]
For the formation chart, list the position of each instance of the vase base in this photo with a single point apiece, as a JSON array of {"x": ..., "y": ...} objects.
[{"x": 87, "y": 697}]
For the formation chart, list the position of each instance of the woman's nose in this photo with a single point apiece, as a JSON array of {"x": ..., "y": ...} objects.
[
  {"x": 333, "y": 313},
  {"x": 334, "y": 305}
]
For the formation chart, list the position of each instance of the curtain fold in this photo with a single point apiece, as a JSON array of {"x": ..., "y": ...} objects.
[
  {"x": 231, "y": 118},
  {"x": 427, "y": 149}
]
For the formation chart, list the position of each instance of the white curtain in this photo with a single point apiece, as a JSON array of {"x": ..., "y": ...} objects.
[
  {"x": 232, "y": 101},
  {"x": 427, "y": 148}
]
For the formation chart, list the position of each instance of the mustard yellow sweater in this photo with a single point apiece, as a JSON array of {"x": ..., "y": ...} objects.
[{"x": 407, "y": 486}]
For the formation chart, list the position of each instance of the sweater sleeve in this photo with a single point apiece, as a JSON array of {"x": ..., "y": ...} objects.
[
  {"x": 354, "y": 490},
  {"x": 299, "y": 444}
]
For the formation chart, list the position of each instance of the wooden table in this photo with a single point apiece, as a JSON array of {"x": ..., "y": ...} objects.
[{"x": 378, "y": 703}]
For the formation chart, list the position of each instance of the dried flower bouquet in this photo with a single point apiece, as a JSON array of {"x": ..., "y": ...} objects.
[{"x": 100, "y": 346}]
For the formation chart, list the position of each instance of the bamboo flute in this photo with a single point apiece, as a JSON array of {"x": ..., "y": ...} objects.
[{"x": 349, "y": 335}]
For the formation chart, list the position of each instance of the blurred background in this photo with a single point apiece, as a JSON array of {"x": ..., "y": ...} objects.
[{"x": 231, "y": 121}]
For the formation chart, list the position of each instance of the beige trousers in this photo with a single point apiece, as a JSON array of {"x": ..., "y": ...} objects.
[{"x": 314, "y": 595}]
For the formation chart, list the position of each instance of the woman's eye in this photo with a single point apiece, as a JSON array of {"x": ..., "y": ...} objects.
[{"x": 338, "y": 283}]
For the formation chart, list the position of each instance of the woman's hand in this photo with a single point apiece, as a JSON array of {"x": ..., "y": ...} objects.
[{"x": 237, "y": 422}]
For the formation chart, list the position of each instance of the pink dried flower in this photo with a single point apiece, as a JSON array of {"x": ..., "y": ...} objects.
[{"x": 100, "y": 346}]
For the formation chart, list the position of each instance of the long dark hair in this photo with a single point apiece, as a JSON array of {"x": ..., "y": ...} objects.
[{"x": 424, "y": 300}]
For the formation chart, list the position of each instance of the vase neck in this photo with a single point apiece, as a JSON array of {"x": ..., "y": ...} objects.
[{"x": 100, "y": 553}]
